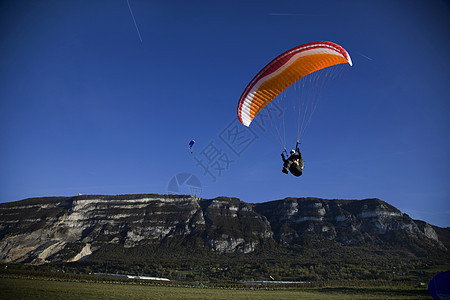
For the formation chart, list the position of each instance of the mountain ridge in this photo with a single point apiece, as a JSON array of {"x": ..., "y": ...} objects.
[{"x": 89, "y": 227}]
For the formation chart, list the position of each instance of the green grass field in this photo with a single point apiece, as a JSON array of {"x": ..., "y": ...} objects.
[{"x": 23, "y": 288}]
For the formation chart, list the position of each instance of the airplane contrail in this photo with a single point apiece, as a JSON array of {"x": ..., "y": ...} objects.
[
  {"x": 295, "y": 14},
  {"x": 134, "y": 20},
  {"x": 365, "y": 56}
]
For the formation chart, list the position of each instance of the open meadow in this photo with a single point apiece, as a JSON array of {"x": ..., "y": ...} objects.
[{"x": 47, "y": 288}]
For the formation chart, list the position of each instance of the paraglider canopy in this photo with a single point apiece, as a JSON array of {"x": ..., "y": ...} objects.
[
  {"x": 439, "y": 286},
  {"x": 191, "y": 145},
  {"x": 283, "y": 71}
]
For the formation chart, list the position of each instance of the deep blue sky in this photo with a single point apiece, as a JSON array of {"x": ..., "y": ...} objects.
[{"x": 87, "y": 107}]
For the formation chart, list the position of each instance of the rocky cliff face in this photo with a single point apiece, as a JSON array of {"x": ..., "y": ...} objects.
[
  {"x": 347, "y": 222},
  {"x": 55, "y": 229}
]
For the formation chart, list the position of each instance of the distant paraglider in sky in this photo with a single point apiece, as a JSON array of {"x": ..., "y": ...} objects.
[{"x": 191, "y": 145}]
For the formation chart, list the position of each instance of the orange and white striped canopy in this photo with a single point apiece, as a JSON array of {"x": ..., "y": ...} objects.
[{"x": 285, "y": 70}]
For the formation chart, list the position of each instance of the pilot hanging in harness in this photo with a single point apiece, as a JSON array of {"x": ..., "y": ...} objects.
[{"x": 294, "y": 163}]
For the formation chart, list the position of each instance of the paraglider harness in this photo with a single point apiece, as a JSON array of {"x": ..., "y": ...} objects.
[{"x": 294, "y": 163}]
